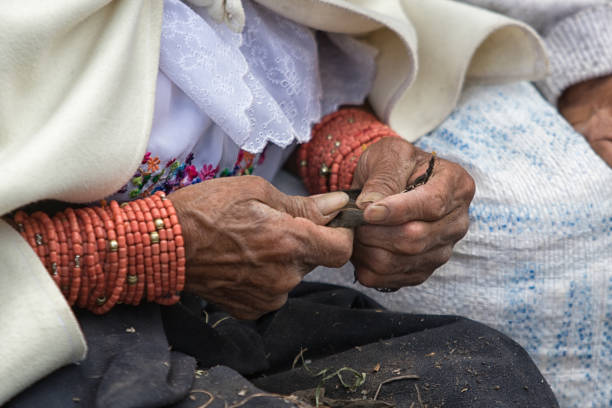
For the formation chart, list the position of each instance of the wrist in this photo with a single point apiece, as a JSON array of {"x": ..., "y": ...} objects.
[{"x": 328, "y": 161}]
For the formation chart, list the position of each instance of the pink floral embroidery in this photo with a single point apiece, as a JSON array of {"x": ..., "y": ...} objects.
[
  {"x": 191, "y": 172},
  {"x": 175, "y": 174},
  {"x": 208, "y": 172}
]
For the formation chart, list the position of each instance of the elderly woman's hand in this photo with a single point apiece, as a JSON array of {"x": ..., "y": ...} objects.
[
  {"x": 587, "y": 106},
  {"x": 247, "y": 244},
  {"x": 414, "y": 232}
]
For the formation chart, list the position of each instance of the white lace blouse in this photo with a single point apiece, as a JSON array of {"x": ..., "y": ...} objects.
[{"x": 232, "y": 103}]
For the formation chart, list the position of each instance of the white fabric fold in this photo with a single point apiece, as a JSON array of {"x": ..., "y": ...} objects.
[
  {"x": 78, "y": 73},
  {"x": 77, "y": 83},
  {"x": 427, "y": 50},
  {"x": 347, "y": 68},
  {"x": 458, "y": 42},
  {"x": 39, "y": 331}
]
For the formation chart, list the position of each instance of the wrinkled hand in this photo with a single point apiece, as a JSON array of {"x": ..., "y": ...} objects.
[
  {"x": 587, "y": 106},
  {"x": 247, "y": 244},
  {"x": 415, "y": 231}
]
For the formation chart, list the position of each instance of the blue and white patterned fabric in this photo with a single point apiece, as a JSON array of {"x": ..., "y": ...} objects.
[{"x": 537, "y": 261}]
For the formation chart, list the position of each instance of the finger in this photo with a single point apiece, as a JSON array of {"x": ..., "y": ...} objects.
[
  {"x": 370, "y": 279},
  {"x": 604, "y": 149},
  {"x": 383, "y": 262},
  {"x": 320, "y": 245},
  {"x": 384, "y": 170},
  {"x": 416, "y": 237},
  {"x": 581, "y": 127},
  {"x": 450, "y": 189},
  {"x": 319, "y": 209},
  {"x": 376, "y": 267}
]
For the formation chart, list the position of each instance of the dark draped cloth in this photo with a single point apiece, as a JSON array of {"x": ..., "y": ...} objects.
[{"x": 343, "y": 347}]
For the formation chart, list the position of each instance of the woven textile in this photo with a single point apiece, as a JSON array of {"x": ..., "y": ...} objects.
[{"x": 537, "y": 260}]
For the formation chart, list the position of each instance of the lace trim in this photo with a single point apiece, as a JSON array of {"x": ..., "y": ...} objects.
[
  {"x": 208, "y": 68},
  {"x": 265, "y": 84},
  {"x": 150, "y": 177}
]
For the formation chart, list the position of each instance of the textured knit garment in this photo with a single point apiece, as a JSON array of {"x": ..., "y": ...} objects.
[
  {"x": 578, "y": 36},
  {"x": 535, "y": 263}
]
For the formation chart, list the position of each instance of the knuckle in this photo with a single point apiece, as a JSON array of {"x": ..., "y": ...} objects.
[
  {"x": 384, "y": 182},
  {"x": 277, "y": 303},
  {"x": 412, "y": 246},
  {"x": 420, "y": 277},
  {"x": 463, "y": 181},
  {"x": 347, "y": 252},
  {"x": 259, "y": 185},
  {"x": 304, "y": 207},
  {"x": 406, "y": 148},
  {"x": 414, "y": 230},
  {"x": 285, "y": 285},
  {"x": 437, "y": 204},
  {"x": 342, "y": 256},
  {"x": 367, "y": 278},
  {"x": 464, "y": 225},
  {"x": 288, "y": 247},
  {"x": 419, "y": 246},
  {"x": 447, "y": 253},
  {"x": 468, "y": 184},
  {"x": 242, "y": 314},
  {"x": 471, "y": 186}
]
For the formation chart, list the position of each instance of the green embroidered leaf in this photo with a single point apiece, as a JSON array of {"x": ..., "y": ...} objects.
[
  {"x": 134, "y": 193},
  {"x": 175, "y": 165},
  {"x": 137, "y": 181},
  {"x": 146, "y": 178},
  {"x": 155, "y": 178}
]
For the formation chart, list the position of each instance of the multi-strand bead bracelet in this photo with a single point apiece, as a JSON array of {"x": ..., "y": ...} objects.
[
  {"x": 101, "y": 256},
  {"x": 328, "y": 161}
]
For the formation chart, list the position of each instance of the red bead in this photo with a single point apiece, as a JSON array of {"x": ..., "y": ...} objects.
[{"x": 176, "y": 230}]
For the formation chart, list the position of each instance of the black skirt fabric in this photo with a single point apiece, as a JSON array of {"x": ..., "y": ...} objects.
[{"x": 345, "y": 350}]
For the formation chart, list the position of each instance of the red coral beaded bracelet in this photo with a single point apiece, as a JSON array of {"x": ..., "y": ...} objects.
[
  {"x": 99, "y": 257},
  {"x": 328, "y": 161}
]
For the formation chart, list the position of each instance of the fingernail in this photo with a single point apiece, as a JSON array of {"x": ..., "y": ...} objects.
[
  {"x": 330, "y": 202},
  {"x": 370, "y": 198},
  {"x": 376, "y": 213}
]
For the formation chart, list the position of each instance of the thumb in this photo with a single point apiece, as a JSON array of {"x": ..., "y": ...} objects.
[
  {"x": 319, "y": 209},
  {"x": 383, "y": 171}
]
